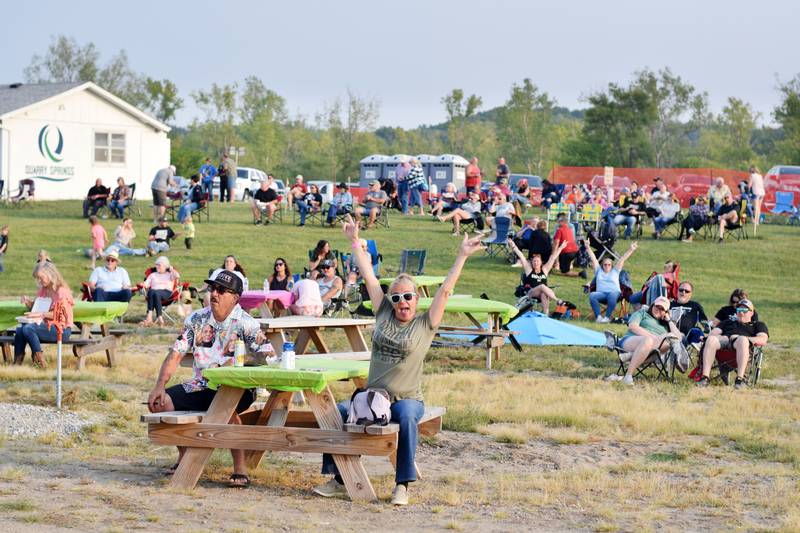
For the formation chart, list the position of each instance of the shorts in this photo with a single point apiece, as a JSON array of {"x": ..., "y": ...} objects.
[
  {"x": 201, "y": 400},
  {"x": 159, "y": 198}
]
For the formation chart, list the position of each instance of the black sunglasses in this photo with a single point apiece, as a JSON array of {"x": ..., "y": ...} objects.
[
  {"x": 221, "y": 290},
  {"x": 407, "y": 296},
  {"x": 279, "y": 264},
  {"x": 685, "y": 291}
]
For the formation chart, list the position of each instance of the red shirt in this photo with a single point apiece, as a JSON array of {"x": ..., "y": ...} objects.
[
  {"x": 564, "y": 233},
  {"x": 473, "y": 176}
]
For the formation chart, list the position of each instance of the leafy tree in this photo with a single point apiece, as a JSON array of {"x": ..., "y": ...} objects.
[
  {"x": 349, "y": 126},
  {"x": 65, "y": 62},
  {"x": 787, "y": 114},
  {"x": 459, "y": 109},
  {"x": 262, "y": 112},
  {"x": 160, "y": 97},
  {"x": 737, "y": 122},
  {"x": 525, "y": 127},
  {"x": 220, "y": 107}
]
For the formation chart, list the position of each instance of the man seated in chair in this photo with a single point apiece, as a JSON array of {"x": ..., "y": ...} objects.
[
  {"x": 727, "y": 215},
  {"x": 95, "y": 199},
  {"x": 110, "y": 283},
  {"x": 297, "y": 191},
  {"x": 194, "y": 200},
  {"x": 330, "y": 285},
  {"x": 373, "y": 203},
  {"x": 208, "y": 334},
  {"x": 341, "y": 204},
  {"x": 741, "y": 334},
  {"x": 265, "y": 202}
]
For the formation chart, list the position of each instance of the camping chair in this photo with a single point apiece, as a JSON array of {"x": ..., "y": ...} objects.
[
  {"x": 412, "y": 262},
  {"x": 738, "y": 230},
  {"x": 497, "y": 241},
  {"x": 177, "y": 288},
  {"x": 473, "y": 222},
  {"x": 204, "y": 209},
  {"x": 784, "y": 203},
  {"x": 25, "y": 191},
  {"x": 662, "y": 364},
  {"x": 589, "y": 215},
  {"x": 674, "y": 226},
  {"x": 314, "y": 215},
  {"x": 557, "y": 209},
  {"x": 131, "y": 206},
  {"x": 340, "y": 217},
  {"x": 725, "y": 363}
]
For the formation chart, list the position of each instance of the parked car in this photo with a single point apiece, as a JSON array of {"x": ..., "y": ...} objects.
[
  {"x": 691, "y": 186},
  {"x": 534, "y": 184},
  {"x": 326, "y": 188},
  {"x": 247, "y": 181},
  {"x": 781, "y": 178},
  {"x": 619, "y": 183}
]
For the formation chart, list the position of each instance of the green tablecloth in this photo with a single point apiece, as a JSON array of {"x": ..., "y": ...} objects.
[
  {"x": 90, "y": 312},
  {"x": 422, "y": 281},
  {"x": 475, "y": 306},
  {"x": 312, "y": 373}
]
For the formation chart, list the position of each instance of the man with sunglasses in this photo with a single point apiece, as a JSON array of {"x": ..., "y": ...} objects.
[
  {"x": 685, "y": 312},
  {"x": 330, "y": 285},
  {"x": 400, "y": 341},
  {"x": 110, "y": 283},
  {"x": 222, "y": 322},
  {"x": 739, "y": 334}
]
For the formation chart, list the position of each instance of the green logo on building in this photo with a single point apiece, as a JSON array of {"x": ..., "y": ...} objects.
[{"x": 44, "y": 144}]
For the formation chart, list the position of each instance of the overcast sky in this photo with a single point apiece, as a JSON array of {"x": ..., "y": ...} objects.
[{"x": 408, "y": 54}]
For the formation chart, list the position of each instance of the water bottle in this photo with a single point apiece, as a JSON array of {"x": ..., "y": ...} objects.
[
  {"x": 239, "y": 352},
  {"x": 287, "y": 359}
]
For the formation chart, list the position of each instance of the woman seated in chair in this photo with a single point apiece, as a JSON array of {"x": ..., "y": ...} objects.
[
  {"x": 447, "y": 202},
  {"x": 668, "y": 212},
  {"x": 160, "y": 285},
  {"x": 727, "y": 215},
  {"x": 697, "y": 218},
  {"x": 469, "y": 211},
  {"x": 321, "y": 252},
  {"x": 647, "y": 331},
  {"x": 280, "y": 280},
  {"x": 229, "y": 263},
  {"x": 534, "y": 283},
  {"x": 728, "y": 312},
  {"x": 607, "y": 287},
  {"x": 499, "y": 208},
  {"x": 664, "y": 282}
]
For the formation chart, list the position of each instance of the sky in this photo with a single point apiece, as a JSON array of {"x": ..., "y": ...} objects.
[{"x": 408, "y": 55}]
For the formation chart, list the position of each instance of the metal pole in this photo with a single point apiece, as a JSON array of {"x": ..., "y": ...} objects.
[{"x": 58, "y": 375}]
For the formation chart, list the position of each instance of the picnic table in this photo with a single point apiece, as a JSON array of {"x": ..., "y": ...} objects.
[
  {"x": 259, "y": 298},
  {"x": 273, "y": 427},
  {"x": 475, "y": 309},
  {"x": 310, "y": 331},
  {"x": 85, "y": 315},
  {"x": 424, "y": 283}
]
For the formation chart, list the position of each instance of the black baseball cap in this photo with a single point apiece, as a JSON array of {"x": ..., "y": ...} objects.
[
  {"x": 227, "y": 280},
  {"x": 325, "y": 263},
  {"x": 342, "y": 185}
]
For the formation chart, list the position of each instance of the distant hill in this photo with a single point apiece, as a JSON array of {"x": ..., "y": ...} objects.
[{"x": 490, "y": 115}]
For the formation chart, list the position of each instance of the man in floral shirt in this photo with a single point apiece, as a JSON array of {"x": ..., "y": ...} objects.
[{"x": 210, "y": 335}]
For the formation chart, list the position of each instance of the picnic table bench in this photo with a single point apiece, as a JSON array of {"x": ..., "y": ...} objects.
[
  {"x": 89, "y": 340},
  {"x": 277, "y": 425}
]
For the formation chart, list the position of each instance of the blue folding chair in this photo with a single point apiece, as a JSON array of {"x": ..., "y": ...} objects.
[
  {"x": 784, "y": 203},
  {"x": 497, "y": 242},
  {"x": 412, "y": 262},
  {"x": 377, "y": 258}
]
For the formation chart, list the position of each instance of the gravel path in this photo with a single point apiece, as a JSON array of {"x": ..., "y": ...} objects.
[{"x": 31, "y": 421}]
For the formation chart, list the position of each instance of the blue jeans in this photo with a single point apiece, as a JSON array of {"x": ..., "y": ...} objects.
[
  {"x": 157, "y": 247},
  {"x": 416, "y": 197},
  {"x": 33, "y": 335},
  {"x": 208, "y": 186},
  {"x": 123, "y": 295},
  {"x": 406, "y": 413},
  {"x": 636, "y": 298},
  {"x": 124, "y": 250},
  {"x": 333, "y": 211},
  {"x": 628, "y": 220},
  {"x": 156, "y": 299},
  {"x": 118, "y": 208},
  {"x": 187, "y": 209},
  {"x": 402, "y": 194},
  {"x": 302, "y": 208},
  {"x": 662, "y": 222},
  {"x": 610, "y": 298}
]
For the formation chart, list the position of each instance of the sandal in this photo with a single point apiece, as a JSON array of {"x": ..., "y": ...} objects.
[
  {"x": 239, "y": 481},
  {"x": 168, "y": 471}
]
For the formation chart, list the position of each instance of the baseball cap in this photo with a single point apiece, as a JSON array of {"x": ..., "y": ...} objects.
[
  {"x": 162, "y": 219},
  {"x": 746, "y": 303},
  {"x": 325, "y": 263},
  {"x": 374, "y": 182},
  {"x": 227, "y": 280},
  {"x": 298, "y": 177},
  {"x": 661, "y": 302},
  {"x": 342, "y": 185}
]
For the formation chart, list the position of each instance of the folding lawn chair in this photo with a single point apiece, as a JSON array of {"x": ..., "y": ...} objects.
[
  {"x": 663, "y": 364},
  {"x": 557, "y": 209},
  {"x": 314, "y": 215},
  {"x": 131, "y": 207},
  {"x": 497, "y": 241},
  {"x": 589, "y": 215},
  {"x": 725, "y": 363},
  {"x": 738, "y": 230},
  {"x": 412, "y": 262},
  {"x": 784, "y": 203}
]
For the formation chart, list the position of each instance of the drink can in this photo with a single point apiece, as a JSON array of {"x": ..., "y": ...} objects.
[
  {"x": 287, "y": 358},
  {"x": 239, "y": 353}
]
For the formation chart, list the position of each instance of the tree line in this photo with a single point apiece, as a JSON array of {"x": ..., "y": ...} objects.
[{"x": 658, "y": 119}]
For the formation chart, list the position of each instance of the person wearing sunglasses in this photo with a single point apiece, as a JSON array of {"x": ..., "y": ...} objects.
[
  {"x": 739, "y": 334},
  {"x": 400, "y": 341},
  {"x": 110, "y": 283},
  {"x": 280, "y": 280},
  {"x": 330, "y": 285},
  {"x": 728, "y": 312},
  {"x": 206, "y": 335},
  {"x": 648, "y": 328},
  {"x": 686, "y": 313}
]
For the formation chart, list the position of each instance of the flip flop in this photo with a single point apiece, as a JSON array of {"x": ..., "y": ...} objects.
[
  {"x": 239, "y": 481},
  {"x": 168, "y": 471}
]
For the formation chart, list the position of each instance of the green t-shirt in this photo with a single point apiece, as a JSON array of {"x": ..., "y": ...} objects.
[
  {"x": 398, "y": 351},
  {"x": 647, "y": 321}
]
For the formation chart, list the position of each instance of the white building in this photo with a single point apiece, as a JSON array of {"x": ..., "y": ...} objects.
[{"x": 66, "y": 135}]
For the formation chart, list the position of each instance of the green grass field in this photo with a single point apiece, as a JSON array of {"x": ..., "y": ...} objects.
[{"x": 717, "y": 458}]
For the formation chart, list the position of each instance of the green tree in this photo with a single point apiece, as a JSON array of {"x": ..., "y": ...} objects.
[
  {"x": 787, "y": 114},
  {"x": 459, "y": 109},
  {"x": 220, "y": 108},
  {"x": 525, "y": 127},
  {"x": 262, "y": 112},
  {"x": 350, "y": 128},
  {"x": 64, "y": 62},
  {"x": 737, "y": 122},
  {"x": 160, "y": 97}
]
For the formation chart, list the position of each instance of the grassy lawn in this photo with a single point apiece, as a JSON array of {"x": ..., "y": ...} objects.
[{"x": 712, "y": 453}]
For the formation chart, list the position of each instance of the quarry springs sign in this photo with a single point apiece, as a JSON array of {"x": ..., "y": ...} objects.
[{"x": 51, "y": 146}]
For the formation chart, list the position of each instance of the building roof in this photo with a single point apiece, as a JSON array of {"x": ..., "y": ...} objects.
[
  {"x": 18, "y": 96},
  {"x": 26, "y": 94}
]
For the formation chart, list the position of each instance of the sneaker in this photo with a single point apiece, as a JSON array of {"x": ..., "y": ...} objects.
[
  {"x": 331, "y": 488},
  {"x": 400, "y": 495},
  {"x": 691, "y": 231},
  {"x": 256, "y": 222},
  {"x": 603, "y": 320},
  {"x": 517, "y": 265},
  {"x": 739, "y": 384},
  {"x": 627, "y": 380},
  {"x": 704, "y": 382},
  {"x": 582, "y": 274}
]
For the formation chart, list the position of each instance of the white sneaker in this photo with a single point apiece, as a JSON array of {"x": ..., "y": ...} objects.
[
  {"x": 627, "y": 380},
  {"x": 331, "y": 488},
  {"x": 400, "y": 495},
  {"x": 603, "y": 320},
  {"x": 517, "y": 265},
  {"x": 691, "y": 231}
]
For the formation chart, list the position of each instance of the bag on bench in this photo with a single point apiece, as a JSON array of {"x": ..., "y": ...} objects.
[{"x": 370, "y": 406}]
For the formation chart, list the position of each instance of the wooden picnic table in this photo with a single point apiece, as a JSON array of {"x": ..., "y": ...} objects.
[
  {"x": 310, "y": 331},
  {"x": 274, "y": 427},
  {"x": 424, "y": 283},
  {"x": 85, "y": 341},
  {"x": 475, "y": 309}
]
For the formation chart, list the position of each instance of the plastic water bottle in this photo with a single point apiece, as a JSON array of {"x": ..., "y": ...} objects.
[
  {"x": 287, "y": 359},
  {"x": 239, "y": 352}
]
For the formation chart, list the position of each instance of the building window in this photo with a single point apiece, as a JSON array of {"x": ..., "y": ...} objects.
[{"x": 109, "y": 147}]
